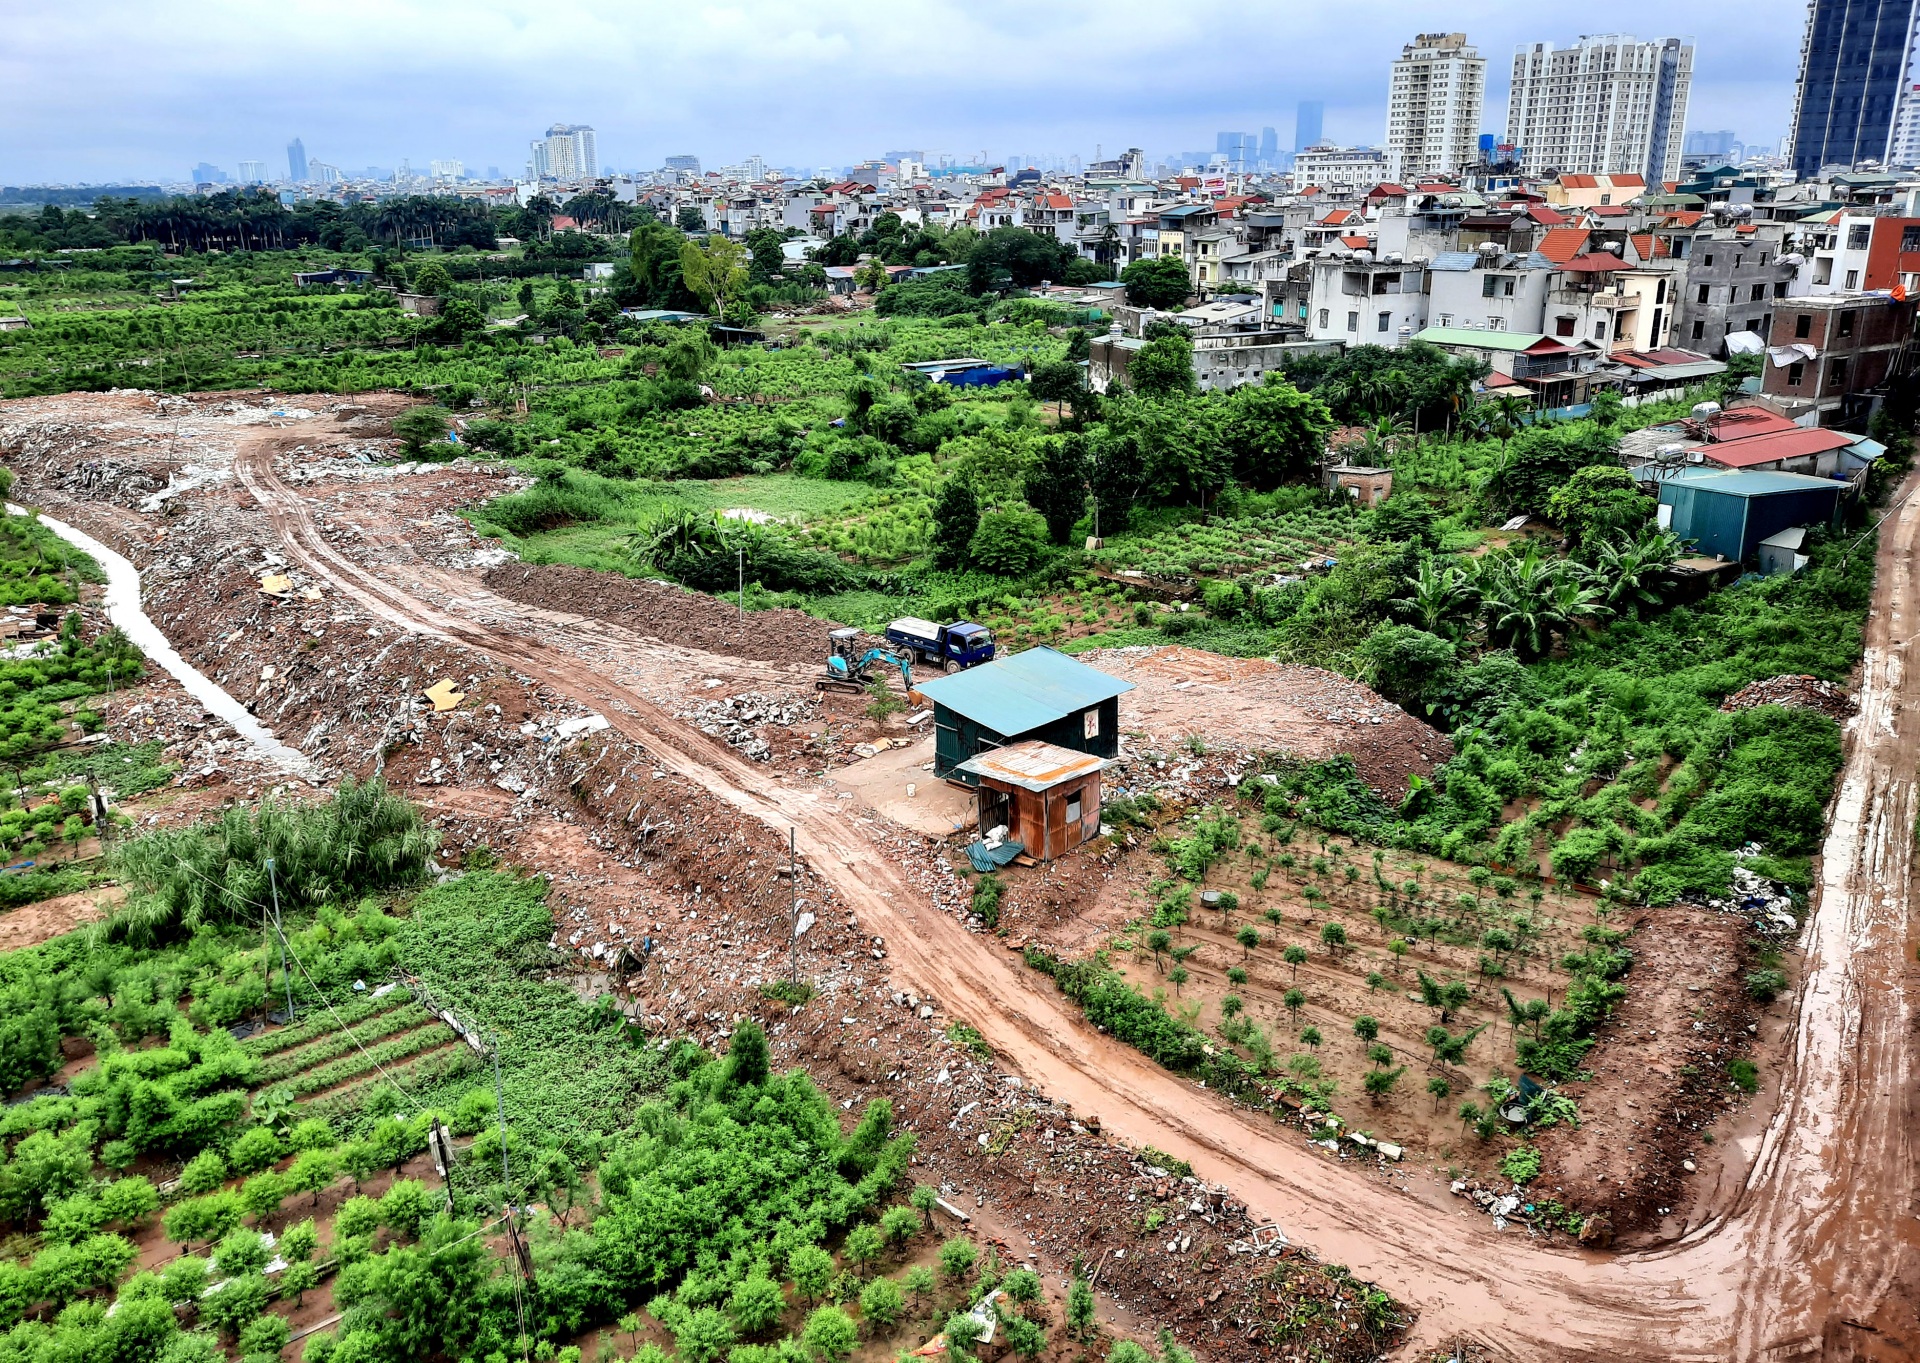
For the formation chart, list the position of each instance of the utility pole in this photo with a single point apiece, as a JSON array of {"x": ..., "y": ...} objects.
[
  {"x": 740, "y": 555},
  {"x": 273, "y": 881},
  {"x": 793, "y": 906}
]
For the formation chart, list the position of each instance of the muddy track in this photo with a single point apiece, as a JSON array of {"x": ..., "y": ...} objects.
[{"x": 1815, "y": 1259}]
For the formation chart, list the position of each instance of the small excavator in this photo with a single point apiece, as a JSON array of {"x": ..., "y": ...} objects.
[{"x": 850, "y": 670}]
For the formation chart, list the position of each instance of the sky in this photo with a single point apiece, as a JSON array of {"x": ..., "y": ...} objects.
[{"x": 142, "y": 90}]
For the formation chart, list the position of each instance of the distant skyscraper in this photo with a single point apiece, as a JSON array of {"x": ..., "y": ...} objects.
[
  {"x": 204, "y": 174},
  {"x": 493, "y": 172},
  {"x": 686, "y": 165},
  {"x": 1269, "y": 146},
  {"x": 297, "y": 161},
  {"x": 1306, "y": 124},
  {"x": 1608, "y": 105},
  {"x": 1855, "y": 65},
  {"x": 447, "y": 170},
  {"x": 1711, "y": 143},
  {"x": 1433, "y": 104},
  {"x": 567, "y": 152},
  {"x": 253, "y": 172},
  {"x": 1238, "y": 148}
]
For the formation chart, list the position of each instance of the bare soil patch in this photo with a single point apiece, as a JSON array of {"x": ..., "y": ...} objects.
[
  {"x": 671, "y": 614},
  {"x": 31, "y": 924},
  {"x": 1260, "y": 706}
]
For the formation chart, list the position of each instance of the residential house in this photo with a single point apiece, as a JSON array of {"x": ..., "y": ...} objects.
[
  {"x": 1552, "y": 373},
  {"x": 1361, "y": 300},
  {"x": 1733, "y": 283},
  {"x": 1828, "y": 353},
  {"x": 1590, "y": 191}
]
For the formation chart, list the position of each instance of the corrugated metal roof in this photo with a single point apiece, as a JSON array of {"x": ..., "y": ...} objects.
[
  {"x": 1796, "y": 443},
  {"x": 1748, "y": 482},
  {"x": 1032, "y": 765},
  {"x": 1485, "y": 340},
  {"x": 1454, "y": 260},
  {"x": 1012, "y": 695}
]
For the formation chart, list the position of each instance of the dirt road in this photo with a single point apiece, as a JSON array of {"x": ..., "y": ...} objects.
[{"x": 1814, "y": 1260}]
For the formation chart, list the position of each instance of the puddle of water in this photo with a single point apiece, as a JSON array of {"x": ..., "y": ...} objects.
[{"x": 125, "y": 610}]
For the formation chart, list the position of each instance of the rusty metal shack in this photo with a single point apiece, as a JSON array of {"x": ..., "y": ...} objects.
[{"x": 1047, "y": 796}]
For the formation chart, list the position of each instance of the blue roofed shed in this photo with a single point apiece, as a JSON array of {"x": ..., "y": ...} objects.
[
  {"x": 1730, "y": 512},
  {"x": 1040, "y": 694}
]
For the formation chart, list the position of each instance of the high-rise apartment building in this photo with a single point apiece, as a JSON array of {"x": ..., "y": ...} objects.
[
  {"x": 1607, "y": 105},
  {"x": 297, "y": 161},
  {"x": 567, "y": 152},
  {"x": 253, "y": 172},
  {"x": 1239, "y": 149},
  {"x": 205, "y": 174},
  {"x": 1856, "y": 64},
  {"x": 1269, "y": 146},
  {"x": 1307, "y": 122},
  {"x": 447, "y": 169},
  {"x": 686, "y": 165},
  {"x": 1433, "y": 104}
]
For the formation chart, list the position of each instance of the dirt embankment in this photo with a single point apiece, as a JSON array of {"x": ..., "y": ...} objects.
[
  {"x": 657, "y": 610},
  {"x": 1184, "y": 698},
  {"x": 1663, "y": 1056}
]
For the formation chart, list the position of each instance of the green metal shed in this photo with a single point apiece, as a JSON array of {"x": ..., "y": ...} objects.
[
  {"x": 1728, "y": 512},
  {"x": 1040, "y": 694}
]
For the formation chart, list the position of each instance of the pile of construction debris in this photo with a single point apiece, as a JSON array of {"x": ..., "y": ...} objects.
[
  {"x": 735, "y": 720},
  {"x": 1794, "y": 693},
  {"x": 1751, "y": 896}
]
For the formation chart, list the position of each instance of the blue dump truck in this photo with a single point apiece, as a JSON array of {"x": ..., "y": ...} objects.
[{"x": 947, "y": 647}]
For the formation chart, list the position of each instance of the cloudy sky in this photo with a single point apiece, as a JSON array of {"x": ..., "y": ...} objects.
[{"x": 118, "y": 90}]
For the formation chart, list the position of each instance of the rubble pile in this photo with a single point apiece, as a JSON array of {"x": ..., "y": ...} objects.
[
  {"x": 735, "y": 720},
  {"x": 1794, "y": 693},
  {"x": 1765, "y": 902}
]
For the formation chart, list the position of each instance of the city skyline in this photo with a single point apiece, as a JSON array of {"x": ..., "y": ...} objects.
[{"x": 475, "y": 85}]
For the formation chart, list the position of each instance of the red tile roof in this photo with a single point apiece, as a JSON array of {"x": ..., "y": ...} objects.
[
  {"x": 1682, "y": 217},
  {"x": 1562, "y": 244},
  {"x": 1651, "y": 247},
  {"x": 1628, "y": 181},
  {"x": 1742, "y": 422},
  {"x": 1357, "y": 243},
  {"x": 1548, "y": 217},
  {"x": 1775, "y": 445},
  {"x": 1052, "y": 201},
  {"x": 1579, "y": 182},
  {"x": 561, "y": 222},
  {"x": 1338, "y": 217},
  {"x": 1385, "y": 190},
  {"x": 1609, "y": 210},
  {"x": 1601, "y": 262}
]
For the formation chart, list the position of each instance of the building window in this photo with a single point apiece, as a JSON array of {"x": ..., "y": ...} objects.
[
  {"x": 1446, "y": 320},
  {"x": 1353, "y": 321},
  {"x": 1837, "y": 372},
  {"x": 1599, "y": 330},
  {"x": 1563, "y": 326},
  {"x": 1780, "y": 289},
  {"x": 1073, "y": 808},
  {"x": 1323, "y": 317},
  {"x": 1763, "y": 257},
  {"x": 1846, "y": 322},
  {"x": 1660, "y": 293},
  {"x": 1858, "y": 237},
  {"x": 1386, "y": 321},
  {"x": 1496, "y": 324},
  {"x": 1803, "y": 325},
  {"x": 1706, "y": 293},
  {"x": 1736, "y": 261},
  {"x": 1708, "y": 262},
  {"x": 1758, "y": 294},
  {"x": 1699, "y": 331},
  {"x": 1853, "y": 279},
  {"x": 1795, "y": 372}
]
